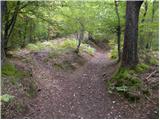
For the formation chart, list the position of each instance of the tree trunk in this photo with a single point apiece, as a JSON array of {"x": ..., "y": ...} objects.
[
  {"x": 151, "y": 34},
  {"x": 80, "y": 40},
  {"x": 48, "y": 37},
  {"x": 130, "y": 56},
  {"x": 10, "y": 25},
  {"x": 118, "y": 32},
  {"x": 3, "y": 12}
]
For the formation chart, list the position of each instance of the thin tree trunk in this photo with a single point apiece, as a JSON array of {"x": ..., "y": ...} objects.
[
  {"x": 130, "y": 55},
  {"x": 118, "y": 32},
  {"x": 80, "y": 40},
  {"x": 151, "y": 34},
  {"x": 48, "y": 37},
  {"x": 3, "y": 12}
]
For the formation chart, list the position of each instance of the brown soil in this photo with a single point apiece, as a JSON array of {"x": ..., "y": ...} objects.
[{"x": 82, "y": 93}]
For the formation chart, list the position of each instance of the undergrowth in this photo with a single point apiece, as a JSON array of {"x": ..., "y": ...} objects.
[
  {"x": 126, "y": 82},
  {"x": 16, "y": 77},
  {"x": 10, "y": 71},
  {"x": 59, "y": 47}
]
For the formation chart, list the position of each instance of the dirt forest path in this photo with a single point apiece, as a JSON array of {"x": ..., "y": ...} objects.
[{"x": 81, "y": 94}]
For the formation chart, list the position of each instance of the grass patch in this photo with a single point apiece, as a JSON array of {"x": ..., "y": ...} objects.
[
  {"x": 72, "y": 45},
  {"x": 153, "y": 61},
  {"x": 114, "y": 53},
  {"x": 10, "y": 71},
  {"x": 141, "y": 68}
]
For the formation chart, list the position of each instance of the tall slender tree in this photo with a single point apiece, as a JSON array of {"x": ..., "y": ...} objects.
[
  {"x": 3, "y": 12},
  {"x": 118, "y": 30}
]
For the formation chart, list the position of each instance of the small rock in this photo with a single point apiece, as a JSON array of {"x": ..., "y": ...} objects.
[
  {"x": 113, "y": 102},
  {"x": 155, "y": 112}
]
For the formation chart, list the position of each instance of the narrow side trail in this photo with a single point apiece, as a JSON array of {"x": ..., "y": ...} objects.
[{"x": 81, "y": 94}]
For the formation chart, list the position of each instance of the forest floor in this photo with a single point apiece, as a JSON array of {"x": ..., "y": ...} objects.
[{"x": 80, "y": 91}]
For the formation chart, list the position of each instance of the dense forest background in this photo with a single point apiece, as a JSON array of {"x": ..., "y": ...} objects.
[
  {"x": 55, "y": 52},
  {"x": 43, "y": 21}
]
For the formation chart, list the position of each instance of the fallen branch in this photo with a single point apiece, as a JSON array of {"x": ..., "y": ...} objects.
[
  {"x": 150, "y": 75},
  {"x": 150, "y": 100}
]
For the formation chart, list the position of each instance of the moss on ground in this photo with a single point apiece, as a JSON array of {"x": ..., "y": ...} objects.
[
  {"x": 141, "y": 68},
  {"x": 127, "y": 82},
  {"x": 12, "y": 72}
]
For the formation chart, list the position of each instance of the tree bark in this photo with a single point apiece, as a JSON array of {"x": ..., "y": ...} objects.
[
  {"x": 9, "y": 25},
  {"x": 130, "y": 55},
  {"x": 80, "y": 38},
  {"x": 3, "y": 12},
  {"x": 118, "y": 32}
]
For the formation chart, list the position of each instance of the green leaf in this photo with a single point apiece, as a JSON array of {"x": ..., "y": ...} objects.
[
  {"x": 6, "y": 98},
  {"x": 122, "y": 88}
]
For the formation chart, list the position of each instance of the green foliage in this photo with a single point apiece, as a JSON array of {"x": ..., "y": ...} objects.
[
  {"x": 10, "y": 71},
  {"x": 58, "y": 48},
  {"x": 114, "y": 48},
  {"x": 141, "y": 68},
  {"x": 126, "y": 82},
  {"x": 6, "y": 98},
  {"x": 122, "y": 88},
  {"x": 153, "y": 61},
  {"x": 114, "y": 53},
  {"x": 69, "y": 44}
]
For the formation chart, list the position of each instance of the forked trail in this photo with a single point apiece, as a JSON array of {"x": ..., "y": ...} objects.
[{"x": 81, "y": 94}]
